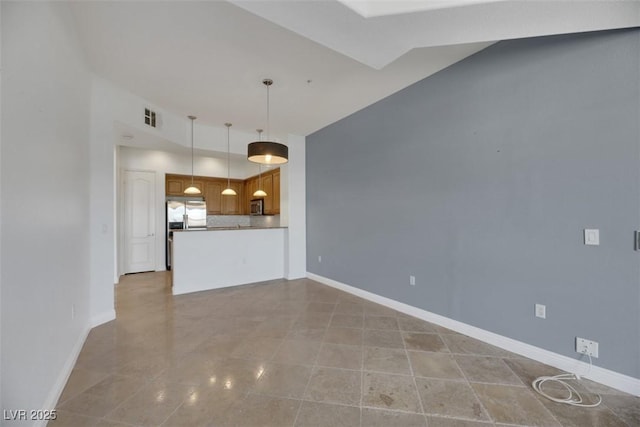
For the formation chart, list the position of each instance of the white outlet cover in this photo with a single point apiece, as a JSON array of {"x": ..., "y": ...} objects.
[
  {"x": 585, "y": 346},
  {"x": 591, "y": 236},
  {"x": 541, "y": 311}
]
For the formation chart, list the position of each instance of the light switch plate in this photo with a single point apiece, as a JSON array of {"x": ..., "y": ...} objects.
[{"x": 591, "y": 236}]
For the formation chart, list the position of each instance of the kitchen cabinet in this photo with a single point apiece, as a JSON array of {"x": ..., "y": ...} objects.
[
  {"x": 267, "y": 186},
  {"x": 232, "y": 205},
  {"x": 176, "y": 184},
  {"x": 212, "y": 196},
  {"x": 217, "y": 204},
  {"x": 251, "y": 186},
  {"x": 276, "y": 191},
  {"x": 271, "y": 185}
]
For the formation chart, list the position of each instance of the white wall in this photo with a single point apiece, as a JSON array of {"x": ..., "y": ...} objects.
[
  {"x": 44, "y": 187},
  {"x": 1, "y": 405},
  {"x": 102, "y": 217},
  {"x": 293, "y": 213}
]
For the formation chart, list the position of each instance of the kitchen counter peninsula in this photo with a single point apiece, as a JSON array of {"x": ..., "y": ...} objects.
[{"x": 218, "y": 257}]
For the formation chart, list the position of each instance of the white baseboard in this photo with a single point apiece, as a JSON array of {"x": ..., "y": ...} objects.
[
  {"x": 58, "y": 387},
  {"x": 101, "y": 318},
  {"x": 601, "y": 375}
]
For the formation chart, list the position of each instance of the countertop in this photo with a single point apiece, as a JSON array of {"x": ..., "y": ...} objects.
[{"x": 242, "y": 227}]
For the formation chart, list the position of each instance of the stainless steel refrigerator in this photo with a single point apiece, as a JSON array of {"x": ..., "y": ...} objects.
[{"x": 183, "y": 213}]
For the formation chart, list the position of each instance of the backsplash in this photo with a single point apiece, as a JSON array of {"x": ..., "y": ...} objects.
[
  {"x": 228, "y": 220},
  {"x": 243, "y": 221},
  {"x": 265, "y": 221}
]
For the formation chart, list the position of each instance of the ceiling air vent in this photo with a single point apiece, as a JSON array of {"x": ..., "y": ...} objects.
[{"x": 149, "y": 117}]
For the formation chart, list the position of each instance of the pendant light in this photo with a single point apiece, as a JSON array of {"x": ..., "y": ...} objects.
[
  {"x": 259, "y": 192},
  {"x": 192, "y": 189},
  {"x": 228, "y": 191},
  {"x": 268, "y": 152}
]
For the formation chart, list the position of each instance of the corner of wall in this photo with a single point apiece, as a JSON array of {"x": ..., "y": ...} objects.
[
  {"x": 102, "y": 318},
  {"x": 58, "y": 387},
  {"x": 293, "y": 181}
]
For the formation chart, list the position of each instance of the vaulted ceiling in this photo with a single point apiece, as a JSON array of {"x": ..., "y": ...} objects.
[{"x": 327, "y": 58}]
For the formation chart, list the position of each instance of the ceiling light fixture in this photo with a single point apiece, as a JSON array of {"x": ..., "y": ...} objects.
[
  {"x": 268, "y": 152},
  {"x": 192, "y": 189},
  {"x": 228, "y": 191},
  {"x": 259, "y": 192}
]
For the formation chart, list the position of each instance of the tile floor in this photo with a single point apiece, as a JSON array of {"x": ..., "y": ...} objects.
[{"x": 299, "y": 353}]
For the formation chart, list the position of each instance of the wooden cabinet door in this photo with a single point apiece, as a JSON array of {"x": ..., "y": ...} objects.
[
  {"x": 213, "y": 197},
  {"x": 252, "y": 186},
  {"x": 276, "y": 191},
  {"x": 231, "y": 205},
  {"x": 198, "y": 183},
  {"x": 174, "y": 186},
  {"x": 267, "y": 186}
]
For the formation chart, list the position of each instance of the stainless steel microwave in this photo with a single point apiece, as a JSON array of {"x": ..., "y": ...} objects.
[{"x": 257, "y": 207}]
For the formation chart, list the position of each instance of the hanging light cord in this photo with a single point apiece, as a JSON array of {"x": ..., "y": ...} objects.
[
  {"x": 228, "y": 158},
  {"x": 574, "y": 398},
  {"x": 192, "y": 118},
  {"x": 269, "y": 84},
  {"x": 260, "y": 139}
]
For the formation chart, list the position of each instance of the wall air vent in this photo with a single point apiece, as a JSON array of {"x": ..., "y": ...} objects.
[{"x": 149, "y": 117}]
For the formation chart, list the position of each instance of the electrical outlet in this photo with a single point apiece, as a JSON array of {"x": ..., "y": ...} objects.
[
  {"x": 412, "y": 280},
  {"x": 541, "y": 311},
  {"x": 591, "y": 236},
  {"x": 320, "y": 258},
  {"x": 73, "y": 311},
  {"x": 585, "y": 346}
]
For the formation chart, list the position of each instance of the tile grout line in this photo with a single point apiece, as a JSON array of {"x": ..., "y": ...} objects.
[
  {"x": 309, "y": 291},
  {"x": 413, "y": 377},
  {"x": 362, "y": 352},
  {"x": 526, "y": 386},
  {"x": 464, "y": 374},
  {"x": 313, "y": 367}
]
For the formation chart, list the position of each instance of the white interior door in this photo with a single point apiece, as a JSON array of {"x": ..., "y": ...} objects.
[{"x": 139, "y": 217}]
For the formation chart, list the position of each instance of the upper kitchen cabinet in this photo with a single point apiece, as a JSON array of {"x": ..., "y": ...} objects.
[
  {"x": 217, "y": 204},
  {"x": 176, "y": 184},
  {"x": 270, "y": 183},
  {"x": 276, "y": 191},
  {"x": 250, "y": 187},
  {"x": 213, "y": 197},
  {"x": 232, "y": 205},
  {"x": 267, "y": 186}
]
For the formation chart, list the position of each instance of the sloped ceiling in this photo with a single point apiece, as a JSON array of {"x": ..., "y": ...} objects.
[{"x": 327, "y": 58}]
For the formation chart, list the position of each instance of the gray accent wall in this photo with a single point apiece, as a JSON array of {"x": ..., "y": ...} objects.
[{"x": 479, "y": 181}]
